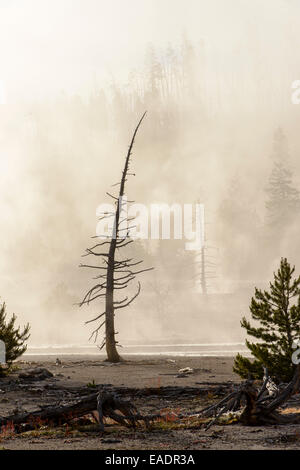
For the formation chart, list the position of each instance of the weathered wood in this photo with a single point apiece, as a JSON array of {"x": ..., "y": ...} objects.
[
  {"x": 106, "y": 400},
  {"x": 118, "y": 273},
  {"x": 107, "y": 405},
  {"x": 135, "y": 392},
  {"x": 257, "y": 407}
]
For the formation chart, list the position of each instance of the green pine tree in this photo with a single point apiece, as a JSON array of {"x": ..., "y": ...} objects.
[
  {"x": 13, "y": 337},
  {"x": 278, "y": 314}
]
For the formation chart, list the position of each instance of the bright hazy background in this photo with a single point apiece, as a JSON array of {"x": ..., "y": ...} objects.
[{"x": 75, "y": 76}]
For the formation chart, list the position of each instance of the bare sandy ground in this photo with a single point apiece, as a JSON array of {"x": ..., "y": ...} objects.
[
  {"x": 140, "y": 372},
  {"x": 136, "y": 371}
]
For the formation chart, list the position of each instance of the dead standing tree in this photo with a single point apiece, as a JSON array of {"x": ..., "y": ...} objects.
[{"x": 118, "y": 273}]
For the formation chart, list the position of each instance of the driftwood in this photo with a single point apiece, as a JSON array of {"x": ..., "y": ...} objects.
[
  {"x": 102, "y": 405},
  {"x": 54, "y": 415},
  {"x": 252, "y": 405},
  {"x": 109, "y": 404},
  {"x": 257, "y": 406},
  {"x": 104, "y": 401}
]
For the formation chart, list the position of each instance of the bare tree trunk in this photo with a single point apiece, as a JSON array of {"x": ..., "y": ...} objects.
[
  {"x": 118, "y": 273},
  {"x": 112, "y": 353},
  {"x": 111, "y": 349},
  {"x": 203, "y": 272}
]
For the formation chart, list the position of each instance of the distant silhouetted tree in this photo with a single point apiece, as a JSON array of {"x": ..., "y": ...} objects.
[
  {"x": 238, "y": 226},
  {"x": 283, "y": 202}
]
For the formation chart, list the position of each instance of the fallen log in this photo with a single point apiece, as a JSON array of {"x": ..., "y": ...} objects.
[
  {"x": 54, "y": 415},
  {"x": 215, "y": 388},
  {"x": 106, "y": 402},
  {"x": 107, "y": 405},
  {"x": 167, "y": 391},
  {"x": 257, "y": 406}
]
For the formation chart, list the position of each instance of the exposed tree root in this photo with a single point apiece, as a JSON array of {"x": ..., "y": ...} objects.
[
  {"x": 107, "y": 405},
  {"x": 254, "y": 406},
  {"x": 258, "y": 407}
]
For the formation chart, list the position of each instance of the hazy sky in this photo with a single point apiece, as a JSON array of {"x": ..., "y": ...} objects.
[
  {"x": 50, "y": 45},
  {"x": 50, "y": 154}
]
